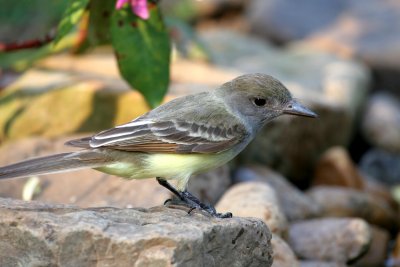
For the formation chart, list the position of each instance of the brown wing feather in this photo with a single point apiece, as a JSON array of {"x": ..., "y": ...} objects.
[{"x": 166, "y": 137}]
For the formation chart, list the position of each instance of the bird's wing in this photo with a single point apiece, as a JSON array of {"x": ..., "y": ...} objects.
[{"x": 168, "y": 136}]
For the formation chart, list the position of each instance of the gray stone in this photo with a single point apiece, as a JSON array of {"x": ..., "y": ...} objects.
[
  {"x": 348, "y": 202},
  {"x": 381, "y": 165},
  {"x": 255, "y": 199},
  {"x": 37, "y": 234},
  {"x": 330, "y": 239},
  {"x": 332, "y": 87},
  {"x": 367, "y": 29},
  {"x": 381, "y": 122},
  {"x": 294, "y": 203}
]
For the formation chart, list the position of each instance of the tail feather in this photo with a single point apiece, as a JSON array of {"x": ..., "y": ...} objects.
[{"x": 54, "y": 164}]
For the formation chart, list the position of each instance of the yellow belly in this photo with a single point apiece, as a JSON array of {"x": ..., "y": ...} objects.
[{"x": 169, "y": 166}]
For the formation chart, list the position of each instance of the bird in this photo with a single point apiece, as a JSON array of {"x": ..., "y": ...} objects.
[{"x": 183, "y": 137}]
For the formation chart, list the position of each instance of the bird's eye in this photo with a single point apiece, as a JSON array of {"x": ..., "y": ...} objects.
[{"x": 259, "y": 102}]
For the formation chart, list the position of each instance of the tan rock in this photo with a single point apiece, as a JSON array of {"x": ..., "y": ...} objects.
[
  {"x": 37, "y": 234},
  {"x": 255, "y": 199},
  {"x": 347, "y": 202},
  {"x": 283, "y": 254},
  {"x": 294, "y": 203},
  {"x": 377, "y": 252},
  {"x": 330, "y": 239},
  {"x": 335, "y": 167}
]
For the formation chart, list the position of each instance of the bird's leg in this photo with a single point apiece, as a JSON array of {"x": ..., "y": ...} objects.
[{"x": 192, "y": 201}]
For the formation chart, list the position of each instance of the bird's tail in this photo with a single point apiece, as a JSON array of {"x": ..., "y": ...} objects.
[{"x": 55, "y": 163}]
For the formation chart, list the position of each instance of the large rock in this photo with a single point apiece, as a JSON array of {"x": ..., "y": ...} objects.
[
  {"x": 295, "y": 204},
  {"x": 334, "y": 88},
  {"x": 38, "y": 234},
  {"x": 367, "y": 29},
  {"x": 347, "y": 202},
  {"x": 381, "y": 122},
  {"x": 255, "y": 199},
  {"x": 330, "y": 239}
]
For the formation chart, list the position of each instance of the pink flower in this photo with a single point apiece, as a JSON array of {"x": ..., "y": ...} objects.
[{"x": 139, "y": 7}]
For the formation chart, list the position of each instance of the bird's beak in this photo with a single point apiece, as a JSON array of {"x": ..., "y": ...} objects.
[{"x": 295, "y": 108}]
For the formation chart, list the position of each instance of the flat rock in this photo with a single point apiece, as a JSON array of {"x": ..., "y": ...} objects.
[
  {"x": 283, "y": 254},
  {"x": 295, "y": 204},
  {"x": 39, "y": 234},
  {"x": 332, "y": 87},
  {"x": 255, "y": 199},
  {"x": 365, "y": 29},
  {"x": 381, "y": 121},
  {"x": 347, "y": 202},
  {"x": 330, "y": 239},
  {"x": 335, "y": 167}
]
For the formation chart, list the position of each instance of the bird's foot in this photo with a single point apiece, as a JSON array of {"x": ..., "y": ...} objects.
[
  {"x": 194, "y": 203},
  {"x": 191, "y": 201}
]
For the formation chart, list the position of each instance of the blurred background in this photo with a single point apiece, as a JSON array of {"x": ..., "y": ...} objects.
[{"x": 341, "y": 58}]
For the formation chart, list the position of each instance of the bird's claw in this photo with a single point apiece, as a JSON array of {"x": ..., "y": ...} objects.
[{"x": 191, "y": 201}]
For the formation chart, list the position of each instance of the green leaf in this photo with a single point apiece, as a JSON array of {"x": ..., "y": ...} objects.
[
  {"x": 142, "y": 48},
  {"x": 71, "y": 18}
]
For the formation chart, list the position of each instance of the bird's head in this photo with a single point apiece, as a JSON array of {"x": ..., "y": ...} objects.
[{"x": 259, "y": 98}]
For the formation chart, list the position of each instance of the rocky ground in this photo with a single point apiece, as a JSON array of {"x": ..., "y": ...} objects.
[{"x": 321, "y": 192}]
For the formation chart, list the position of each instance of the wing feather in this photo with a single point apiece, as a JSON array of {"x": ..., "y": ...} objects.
[{"x": 166, "y": 137}]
